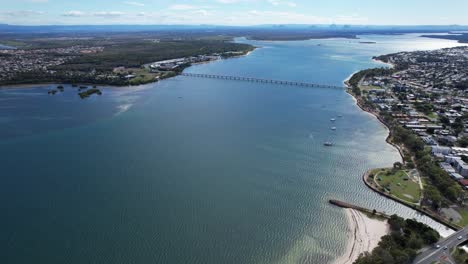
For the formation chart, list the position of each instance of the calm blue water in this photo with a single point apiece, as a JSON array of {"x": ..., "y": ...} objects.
[{"x": 194, "y": 170}]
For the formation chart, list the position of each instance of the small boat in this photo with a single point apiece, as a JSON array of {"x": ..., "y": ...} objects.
[
  {"x": 340, "y": 115},
  {"x": 333, "y": 119},
  {"x": 328, "y": 144},
  {"x": 333, "y": 128}
]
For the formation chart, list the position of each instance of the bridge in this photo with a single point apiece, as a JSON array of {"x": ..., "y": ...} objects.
[
  {"x": 440, "y": 252},
  {"x": 258, "y": 80}
]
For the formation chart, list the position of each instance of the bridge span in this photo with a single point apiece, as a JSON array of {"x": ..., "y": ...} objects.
[{"x": 259, "y": 80}]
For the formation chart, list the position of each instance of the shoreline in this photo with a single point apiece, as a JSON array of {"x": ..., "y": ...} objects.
[
  {"x": 414, "y": 207},
  {"x": 365, "y": 234},
  {"x": 358, "y": 103},
  {"x": 33, "y": 85},
  {"x": 391, "y": 65},
  {"x": 388, "y": 141}
]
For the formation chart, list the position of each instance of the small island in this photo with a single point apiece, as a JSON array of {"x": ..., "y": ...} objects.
[
  {"x": 52, "y": 92},
  {"x": 89, "y": 92}
]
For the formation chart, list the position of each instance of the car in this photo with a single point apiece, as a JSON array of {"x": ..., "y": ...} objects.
[
  {"x": 459, "y": 237},
  {"x": 437, "y": 246},
  {"x": 445, "y": 247}
]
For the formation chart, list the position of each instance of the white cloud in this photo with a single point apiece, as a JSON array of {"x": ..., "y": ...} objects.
[
  {"x": 351, "y": 19},
  {"x": 23, "y": 17},
  {"x": 183, "y": 14},
  {"x": 108, "y": 14},
  {"x": 74, "y": 13},
  {"x": 22, "y": 13},
  {"x": 134, "y": 3},
  {"x": 273, "y": 2},
  {"x": 282, "y": 17},
  {"x": 201, "y": 12},
  {"x": 279, "y": 2},
  {"x": 182, "y": 7},
  {"x": 228, "y": 1}
]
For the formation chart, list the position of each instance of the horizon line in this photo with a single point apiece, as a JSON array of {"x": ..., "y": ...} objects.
[{"x": 254, "y": 25}]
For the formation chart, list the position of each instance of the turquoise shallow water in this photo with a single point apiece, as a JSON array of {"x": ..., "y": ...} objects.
[{"x": 194, "y": 170}]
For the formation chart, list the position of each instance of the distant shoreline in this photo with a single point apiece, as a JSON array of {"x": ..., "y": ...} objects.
[
  {"x": 32, "y": 85},
  {"x": 302, "y": 38}
]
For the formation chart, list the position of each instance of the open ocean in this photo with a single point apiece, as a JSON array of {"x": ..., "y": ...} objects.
[{"x": 192, "y": 170}]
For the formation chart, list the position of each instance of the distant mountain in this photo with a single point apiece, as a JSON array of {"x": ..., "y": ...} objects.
[{"x": 356, "y": 29}]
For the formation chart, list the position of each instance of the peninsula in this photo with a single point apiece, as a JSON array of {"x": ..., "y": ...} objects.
[{"x": 118, "y": 60}]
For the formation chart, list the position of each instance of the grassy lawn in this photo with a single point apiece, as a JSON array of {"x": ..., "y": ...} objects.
[
  {"x": 398, "y": 184},
  {"x": 370, "y": 87},
  {"x": 142, "y": 76},
  {"x": 464, "y": 214},
  {"x": 432, "y": 115},
  {"x": 13, "y": 43},
  {"x": 459, "y": 255}
]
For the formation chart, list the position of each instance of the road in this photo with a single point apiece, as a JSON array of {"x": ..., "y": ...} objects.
[{"x": 434, "y": 254}]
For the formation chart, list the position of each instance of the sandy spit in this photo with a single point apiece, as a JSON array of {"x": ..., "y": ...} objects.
[{"x": 364, "y": 235}]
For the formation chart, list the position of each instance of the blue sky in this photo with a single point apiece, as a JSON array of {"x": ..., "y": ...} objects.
[{"x": 234, "y": 12}]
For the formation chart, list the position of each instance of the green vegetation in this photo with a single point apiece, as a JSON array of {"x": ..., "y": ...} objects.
[
  {"x": 439, "y": 189},
  {"x": 401, "y": 245},
  {"x": 463, "y": 142},
  {"x": 462, "y": 38},
  {"x": 397, "y": 182},
  {"x": 460, "y": 255},
  {"x": 370, "y": 87},
  {"x": 464, "y": 214},
  {"x": 14, "y": 43},
  {"x": 357, "y": 77},
  {"x": 89, "y": 92},
  {"x": 443, "y": 184},
  {"x": 432, "y": 115},
  {"x": 130, "y": 52},
  {"x": 424, "y": 107},
  {"x": 133, "y": 54},
  {"x": 464, "y": 158}
]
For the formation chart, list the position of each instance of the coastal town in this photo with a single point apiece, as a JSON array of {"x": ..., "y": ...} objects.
[
  {"x": 16, "y": 61},
  {"x": 423, "y": 99},
  {"x": 113, "y": 63}
]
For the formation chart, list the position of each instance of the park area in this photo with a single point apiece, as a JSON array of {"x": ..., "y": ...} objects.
[{"x": 399, "y": 183}]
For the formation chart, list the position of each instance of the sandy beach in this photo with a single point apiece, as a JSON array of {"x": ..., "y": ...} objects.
[{"x": 364, "y": 235}]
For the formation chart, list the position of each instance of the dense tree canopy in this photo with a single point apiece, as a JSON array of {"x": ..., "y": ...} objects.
[{"x": 401, "y": 245}]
